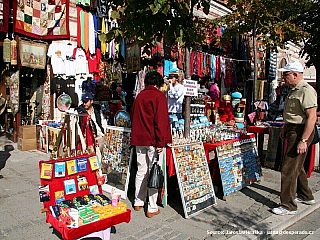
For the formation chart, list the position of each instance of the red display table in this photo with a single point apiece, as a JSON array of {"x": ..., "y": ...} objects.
[
  {"x": 259, "y": 131},
  {"x": 57, "y": 184}
]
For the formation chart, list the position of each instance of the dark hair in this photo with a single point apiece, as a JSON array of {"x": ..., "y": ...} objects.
[{"x": 153, "y": 78}]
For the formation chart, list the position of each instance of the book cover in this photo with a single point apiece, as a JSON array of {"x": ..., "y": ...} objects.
[
  {"x": 69, "y": 186},
  {"x": 46, "y": 171},
  {"x": 55, "y": 210},
  {"x": 82, "y": 164},
  {"x": 82, "y": 182},
  {"x": 94, "y": 189},
  {"x": 44, "y": 193},
  {"x": 59, "y": 196},
  {"x": 72, "y": 167},
  {"x": 59, "y": 169},
  {"x": 94, "y": 163}
]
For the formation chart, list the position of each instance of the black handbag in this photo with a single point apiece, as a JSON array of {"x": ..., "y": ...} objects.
[{"x": 156, "y": 178}]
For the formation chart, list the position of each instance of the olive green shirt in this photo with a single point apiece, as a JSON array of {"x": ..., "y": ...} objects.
[{"x": 300, "y": 98}]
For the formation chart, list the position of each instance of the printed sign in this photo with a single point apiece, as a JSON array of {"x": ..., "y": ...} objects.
[{"x": 190, "y": 88}]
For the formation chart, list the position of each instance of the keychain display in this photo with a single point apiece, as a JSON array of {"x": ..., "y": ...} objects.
[
  {"x": 117, "y": 154},
  {"x": 194, "y": 179},
  {"x": 239, "y": 164}
]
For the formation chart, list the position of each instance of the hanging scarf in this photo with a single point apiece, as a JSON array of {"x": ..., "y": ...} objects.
[
  {"x": 103, "y": 44},
  {"x": 191, "y": 63}
]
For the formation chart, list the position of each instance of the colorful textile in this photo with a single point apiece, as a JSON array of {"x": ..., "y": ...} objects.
[
  {"x": 4, "y": 15},
  {"x": 45, "y": 19}
]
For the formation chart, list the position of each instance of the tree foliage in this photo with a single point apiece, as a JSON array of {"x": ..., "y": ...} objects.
[
  {"x": 148, "y": 21},
  {"x": 270, "y": 18}
]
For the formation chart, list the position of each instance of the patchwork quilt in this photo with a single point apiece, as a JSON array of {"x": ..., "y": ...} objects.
[{"x": 42, "y": 19}]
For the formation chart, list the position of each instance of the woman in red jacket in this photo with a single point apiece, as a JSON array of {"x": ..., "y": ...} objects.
[{"x": 150, "y": 133}]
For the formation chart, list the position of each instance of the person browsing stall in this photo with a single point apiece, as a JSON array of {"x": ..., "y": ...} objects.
[
  {"x": 150, "y": 133},
  {"x": 299, "y": 116},
  {"x": 175, "y": 94},
  {"x": 96, "y": 116}
]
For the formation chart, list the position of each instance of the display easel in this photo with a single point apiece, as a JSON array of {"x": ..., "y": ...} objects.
[
  {"x": 196, "y": 189},
  {"x": 238, "y": 164},
  {"x": 117, "y": 159}
]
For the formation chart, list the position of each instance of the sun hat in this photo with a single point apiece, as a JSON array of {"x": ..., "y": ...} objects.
[{"x": 292, "y": 67}]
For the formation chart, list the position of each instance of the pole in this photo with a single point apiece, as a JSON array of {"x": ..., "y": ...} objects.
[
  {"x": 255, "y": 70},
  {"x": 187, "y": 98}
]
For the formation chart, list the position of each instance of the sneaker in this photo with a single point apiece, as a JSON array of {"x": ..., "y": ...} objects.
[
  {"x": 282, "y": 211},
  {"x": 308, "y": 202}
]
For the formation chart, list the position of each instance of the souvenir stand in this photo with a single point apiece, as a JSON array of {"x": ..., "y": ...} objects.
[{"x": 72, "y": 197}]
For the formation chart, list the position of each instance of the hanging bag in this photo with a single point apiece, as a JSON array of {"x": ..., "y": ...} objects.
[{"x": 156, "y": 178}]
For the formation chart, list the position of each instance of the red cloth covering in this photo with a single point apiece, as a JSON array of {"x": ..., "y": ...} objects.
[
  {"x": 256, "y": 129},
  {"x": 5, "y": 15},
  {"x": 310, "y": 160},
  {"x": 73, "y": 233}
]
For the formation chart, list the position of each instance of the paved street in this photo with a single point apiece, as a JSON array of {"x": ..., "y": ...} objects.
[
  {"x": 307, "y": 228},
  {"x": 247, "y": 210}
]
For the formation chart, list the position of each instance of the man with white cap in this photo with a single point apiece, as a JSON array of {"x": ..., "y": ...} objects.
[
  {"x": 175, "y": 94},
  {"x": 299, "y": 116}
]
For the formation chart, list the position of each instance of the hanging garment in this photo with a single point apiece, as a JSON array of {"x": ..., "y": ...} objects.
[
  {"x": 191, "y": 63},
  {"x": 213, "y": 67},
  {"x": 228, "y": 73},
  {"x": 79, "y": 26},
  {"x": 82, "y": 20},
  {"x": 218, "y": 68},
  {"x": 103, "y": 30},
  {"x": 92, "y": 36},
  {"x": 86, "y": 31},
  {"x": 6, "y": 50}
]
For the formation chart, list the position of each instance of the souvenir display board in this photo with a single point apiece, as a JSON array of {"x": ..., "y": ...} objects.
[
  {"x": 117, "y": 159},
  {"x": 194, "y": 179},
  {"x": 72, "y": 197},
  {"x": 238, "y": 164}
]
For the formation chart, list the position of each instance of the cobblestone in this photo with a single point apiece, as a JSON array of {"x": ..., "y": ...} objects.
[{"x": 171, "y": 235}]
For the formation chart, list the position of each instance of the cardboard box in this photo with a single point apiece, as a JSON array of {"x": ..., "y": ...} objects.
[
  {"x": 27, "y": 144},
  {"x": 27, "y": 132}
]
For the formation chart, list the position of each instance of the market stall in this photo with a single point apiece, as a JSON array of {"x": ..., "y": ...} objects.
[{"x": 73, "y": 200}]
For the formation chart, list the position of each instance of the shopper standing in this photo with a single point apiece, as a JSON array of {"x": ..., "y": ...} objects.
[
  {"x": 299, "y": 116},
  {"x": 175, "y": 94},
  {"x": 150, "y": 133}
]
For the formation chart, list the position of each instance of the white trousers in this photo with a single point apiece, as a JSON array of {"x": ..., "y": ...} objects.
[{"x": 145, "y": 156}]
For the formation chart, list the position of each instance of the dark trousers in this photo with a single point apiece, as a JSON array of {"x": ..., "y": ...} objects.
[{"x": 293, "y": 176}]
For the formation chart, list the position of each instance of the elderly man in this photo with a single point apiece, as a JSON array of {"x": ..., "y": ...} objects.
[{"x": 299, "y": 117}]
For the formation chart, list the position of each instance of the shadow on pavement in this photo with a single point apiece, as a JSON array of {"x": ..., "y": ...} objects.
[{"x": 4, "y": 156}]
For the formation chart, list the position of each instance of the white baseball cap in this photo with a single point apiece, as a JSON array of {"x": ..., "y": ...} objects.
[{"x": 292, "y": 67}]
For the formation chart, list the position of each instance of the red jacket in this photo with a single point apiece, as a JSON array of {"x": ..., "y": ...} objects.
[{"x": 150, "y": 120}]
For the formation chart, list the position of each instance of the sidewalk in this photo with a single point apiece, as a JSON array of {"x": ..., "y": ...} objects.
[{"x": 246, "y": 210}]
